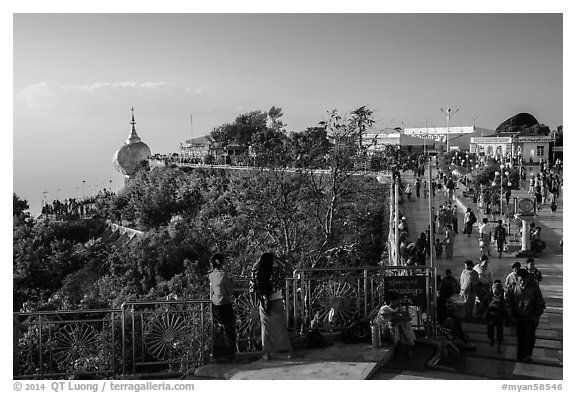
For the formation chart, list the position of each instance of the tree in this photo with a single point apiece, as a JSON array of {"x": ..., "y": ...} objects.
[
  {"x": 306, "y": 216},
  {"x": 19, "y": 206},
  {"x": 241, "y": 130},
  {"x": 269, "y": 145},
  {"x": 361, "y": 119},
  {"x": 309, "y": 148},
  {"x": 330, "y": 192}
]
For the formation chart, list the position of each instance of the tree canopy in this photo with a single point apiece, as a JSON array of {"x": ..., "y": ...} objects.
[{"x": 305, "y": 201}]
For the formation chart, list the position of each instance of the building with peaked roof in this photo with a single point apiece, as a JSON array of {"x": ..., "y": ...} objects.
[
  {"x": 196, "y": 148},
  {"x": 127, "y": 159},
  {"x": 519, "y": 137},
  {"x": 235, "y": 148}
]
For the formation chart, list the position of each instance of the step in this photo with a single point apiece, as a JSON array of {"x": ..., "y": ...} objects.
[
  {"x": 538, "y": 371},
  {"x": 543, "y": 332},
  {"x": 540, "y": 342}
]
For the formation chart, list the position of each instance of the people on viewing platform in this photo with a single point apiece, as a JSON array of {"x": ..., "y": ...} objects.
[
  {"x": 485, "y": 277},
  {"x": 449, "y": 242},
  {"x": 512, "y": 278},
  {"x": 485, "y": 235},
  {"x": 222, "y": 297},
  {"x": 397, "y": 322},
  {"x": 468, "y": 288},
  {"x": 533, "y": 273},
  {"x": 536, "y": 244},
  {"x": 493, "y": 311},
  {"x": 268, "y": 281},
  {"x": 526, "y": 304},
  {"x": 74, "y": 207},
  {"x": 469, "y": 221},
  {"x": 500, "y": 238}
]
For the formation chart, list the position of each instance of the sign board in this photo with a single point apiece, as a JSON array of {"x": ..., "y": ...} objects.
[
  {"x": 490, "y": 139},
  {"x": 535, "y": 139},
  {"x": 411, "y": 289},
  {"x": 526, "y": 206}
]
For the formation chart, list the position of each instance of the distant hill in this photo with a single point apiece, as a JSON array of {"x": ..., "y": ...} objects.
[
  {"x": 521, "y": 120},
  {"x": 524, "y": 124}
]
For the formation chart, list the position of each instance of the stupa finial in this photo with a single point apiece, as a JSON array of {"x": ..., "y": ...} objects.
[{"x": 133, "y": 137}]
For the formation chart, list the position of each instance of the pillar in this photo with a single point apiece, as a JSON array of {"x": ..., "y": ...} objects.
[{"x": 525, "y": 236}]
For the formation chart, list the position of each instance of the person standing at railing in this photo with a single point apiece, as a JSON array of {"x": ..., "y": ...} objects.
[
  {"x": 222, "y": 296},
  {"x": 267, "y": 282}
]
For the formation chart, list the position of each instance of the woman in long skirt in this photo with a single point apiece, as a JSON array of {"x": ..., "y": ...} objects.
[{"x": 267, "y": 281}]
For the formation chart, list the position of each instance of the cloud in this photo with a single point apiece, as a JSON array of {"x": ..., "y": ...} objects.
[{"x": 157, "y": 98}]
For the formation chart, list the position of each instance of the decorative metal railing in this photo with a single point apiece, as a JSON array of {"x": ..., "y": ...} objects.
[
  {"x": 342, "y": 296},
  {"x": 57, "y": 344},
  {"x": 171, "y": 337},
  {"x": 165, "y": 336}
]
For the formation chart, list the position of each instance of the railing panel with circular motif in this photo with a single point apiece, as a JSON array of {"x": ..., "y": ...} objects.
[
  {"x": 58, "y": 344},
  {"x": 165, "y": 336},
  {"x": 337, "y": 297}
]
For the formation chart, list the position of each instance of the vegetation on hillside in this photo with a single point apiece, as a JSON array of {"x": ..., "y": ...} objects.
[{"x": 308, "y": 218}]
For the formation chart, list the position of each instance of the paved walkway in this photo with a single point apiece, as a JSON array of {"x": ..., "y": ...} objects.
[
  {"x": 338, "y": 361},
  {"x": 485, "y": 360}
]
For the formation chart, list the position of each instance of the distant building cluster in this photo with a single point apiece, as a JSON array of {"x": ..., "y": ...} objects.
[{"x": 518, "y": 139}]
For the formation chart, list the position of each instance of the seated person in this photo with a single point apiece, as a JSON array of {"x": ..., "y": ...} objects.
[
  {"x": 395, "y": 319},
  {"x": 536, "y": 244}
]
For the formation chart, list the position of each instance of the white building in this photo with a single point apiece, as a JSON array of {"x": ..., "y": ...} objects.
[
  {"x": 439, "y": 133},
  {"x": 531, "y": 148}
]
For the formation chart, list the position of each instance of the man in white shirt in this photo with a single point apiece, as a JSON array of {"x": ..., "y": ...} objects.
[
  {"x": 484, "y": 276},
  {"x": 512, "y": 278},
  {"x": 484, "y": 232}
]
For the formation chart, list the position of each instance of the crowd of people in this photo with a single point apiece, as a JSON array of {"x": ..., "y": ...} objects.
[
  {"x": 72, "y": 207},
  {"x": 514, "y": 300},
  {"x": 545, "y": 187}
]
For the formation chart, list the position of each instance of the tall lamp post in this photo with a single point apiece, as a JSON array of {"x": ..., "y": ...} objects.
[
  {"x": 502, "y": 174},
  {"x": 448, "y": 112}
]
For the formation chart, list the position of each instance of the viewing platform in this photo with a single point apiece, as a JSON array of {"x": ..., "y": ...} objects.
[{"x": 337, "y": 361}]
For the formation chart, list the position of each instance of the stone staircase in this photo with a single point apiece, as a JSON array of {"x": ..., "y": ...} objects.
[{"x": 119, "y": 235}]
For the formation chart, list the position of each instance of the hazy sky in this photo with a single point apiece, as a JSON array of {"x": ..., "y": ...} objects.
[{"x": 76, "y": 76}]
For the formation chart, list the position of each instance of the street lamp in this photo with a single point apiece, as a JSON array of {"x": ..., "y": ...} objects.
[
  {"x": 448, "y": 112},
  {"x": 509, "y": 184}
]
